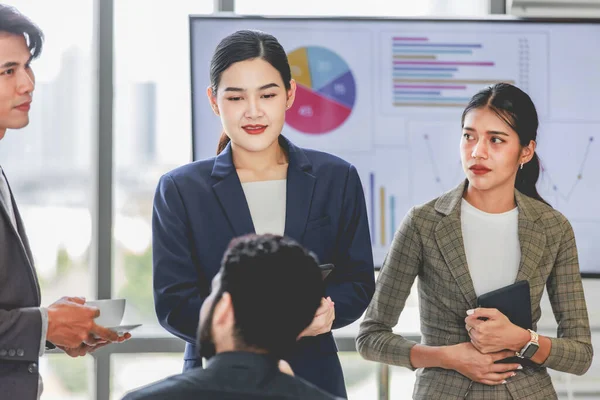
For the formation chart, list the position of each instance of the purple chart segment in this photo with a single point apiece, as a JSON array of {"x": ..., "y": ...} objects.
[{"x": 341, "y": 89}]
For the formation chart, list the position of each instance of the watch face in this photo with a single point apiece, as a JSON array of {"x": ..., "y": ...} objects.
[{"x": 530, "y": 350}]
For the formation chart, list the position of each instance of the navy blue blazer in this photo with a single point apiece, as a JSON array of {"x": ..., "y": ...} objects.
[{"x": 200, "y": 207}]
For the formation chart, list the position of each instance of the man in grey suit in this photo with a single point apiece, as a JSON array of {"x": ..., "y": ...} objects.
[{"x": 26, "y": 329}]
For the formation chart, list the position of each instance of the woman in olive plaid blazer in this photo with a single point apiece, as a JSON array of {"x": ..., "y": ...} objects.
[{"x": 457, "y": 352}]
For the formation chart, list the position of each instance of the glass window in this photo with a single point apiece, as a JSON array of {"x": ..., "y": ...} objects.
[
  {"x": 132, "y": 371},
  {"x": 360, "y": 376},
  {"x": 66, "y": 378},
  {"x": 49, "y": 169},
  {"x": 48, "y": 162},
  {"x": 152, "y": 135},
  {"x": 402, "y": 382}
]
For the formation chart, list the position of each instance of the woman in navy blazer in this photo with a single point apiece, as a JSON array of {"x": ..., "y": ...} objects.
[{"x": 201, "y": 206}]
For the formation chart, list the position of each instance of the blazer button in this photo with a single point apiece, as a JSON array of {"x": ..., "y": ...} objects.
[
  {"x": 11, "y": 352},
  {"x": 20, "y": 352},
  {"x": 2, "y": 353},
  {"x": 32, "y": 368}
]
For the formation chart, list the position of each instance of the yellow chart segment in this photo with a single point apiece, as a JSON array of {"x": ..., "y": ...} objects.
[{"x": 299, "y": 65}]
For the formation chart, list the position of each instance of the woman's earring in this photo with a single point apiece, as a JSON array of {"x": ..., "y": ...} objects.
[{"x": 521, "y": 165}]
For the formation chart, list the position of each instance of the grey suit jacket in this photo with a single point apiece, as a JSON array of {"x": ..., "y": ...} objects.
[
  {"x": 429, "y": 245},
  {"x": 20, "y": 318}
]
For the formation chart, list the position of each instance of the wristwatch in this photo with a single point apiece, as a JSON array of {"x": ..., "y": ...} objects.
[{"x": 531, "y": 347}]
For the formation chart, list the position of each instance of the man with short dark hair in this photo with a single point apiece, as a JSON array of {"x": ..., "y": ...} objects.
[
  {"x": 25, "y": 327},
  {"x": 266, "y": 293}
]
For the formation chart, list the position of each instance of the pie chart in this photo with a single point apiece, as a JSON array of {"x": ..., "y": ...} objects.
[{"x": 325, "y": 92}]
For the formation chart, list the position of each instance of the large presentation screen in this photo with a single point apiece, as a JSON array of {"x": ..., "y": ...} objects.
[{"x": 387, "y": 95}]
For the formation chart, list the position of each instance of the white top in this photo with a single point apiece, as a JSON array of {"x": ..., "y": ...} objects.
[
  {"x": 266, "y": 201},
  {"x": 491, "y": 246}
]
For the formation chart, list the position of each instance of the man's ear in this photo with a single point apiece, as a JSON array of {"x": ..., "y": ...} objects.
[{"x": 223, "y": 315}]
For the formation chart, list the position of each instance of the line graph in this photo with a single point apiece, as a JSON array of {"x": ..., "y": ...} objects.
[
  {"x": 557, "y": 189},
  {"x": 446, "y": 173},
  {"x": 435, "y": 165},
  {"x": 433, "y": 161}
]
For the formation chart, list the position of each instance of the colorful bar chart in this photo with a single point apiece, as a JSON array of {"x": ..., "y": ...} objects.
[
  {"x": 433, "y": 73},
  {"x": 384, "y": 206}
]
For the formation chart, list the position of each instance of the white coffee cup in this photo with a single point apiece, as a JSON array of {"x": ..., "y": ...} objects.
[{"x": 111, "y": 311}]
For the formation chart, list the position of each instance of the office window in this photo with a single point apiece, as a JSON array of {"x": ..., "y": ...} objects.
[
  {"x": 360, "y": 376},
  {"x": 132, "y": 371},
  {"x": 48, "y": 166},
  {"x": 66, "y": 378},
  {"x": 152, "y": 135}
]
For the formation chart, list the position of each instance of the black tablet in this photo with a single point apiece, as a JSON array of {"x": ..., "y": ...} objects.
[{"x": 514, "y": 301}]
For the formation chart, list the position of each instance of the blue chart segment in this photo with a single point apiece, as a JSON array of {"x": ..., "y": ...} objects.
[{"x": 325, "y": 66}]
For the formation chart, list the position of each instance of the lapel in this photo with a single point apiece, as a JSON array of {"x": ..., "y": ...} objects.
[
  {"x": 230, "y": 194},
  {"x": 19, "y": 232},
  {"x": 4, "y": 207},
  {"x": 531, "y": 236},
  {"x": 299, "y": 190},
  {"x": 448, "y": 235}
]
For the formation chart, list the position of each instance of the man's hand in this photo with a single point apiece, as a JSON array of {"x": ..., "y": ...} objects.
[
  {"x": 85, "y": 348},
  {"x": 71, "y": 323},
  {"x": 322, "y": 321}
]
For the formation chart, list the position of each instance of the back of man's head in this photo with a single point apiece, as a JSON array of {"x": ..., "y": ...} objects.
[
  {"x": 275, "y": 286},
  {"x": 15, "y": 23}
]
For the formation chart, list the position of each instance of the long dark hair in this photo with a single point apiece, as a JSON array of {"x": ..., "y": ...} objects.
[
  {"x": 12, "y": 21},
  {"x": 516, "y": 109},
  {"x": 247, "y": 45}
]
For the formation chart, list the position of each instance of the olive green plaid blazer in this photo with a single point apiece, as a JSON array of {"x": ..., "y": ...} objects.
[{"x": 429, "y": 245}]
